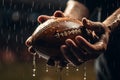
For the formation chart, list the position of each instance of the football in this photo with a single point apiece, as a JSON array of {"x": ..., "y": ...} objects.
[{"x": 51, "y": 34}]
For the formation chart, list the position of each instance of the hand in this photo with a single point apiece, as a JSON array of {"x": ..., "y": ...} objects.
[
  {"x": 43, "y": 18},
  {"x": 53, "y": 60},
  {"x": 80, "y": 50}
]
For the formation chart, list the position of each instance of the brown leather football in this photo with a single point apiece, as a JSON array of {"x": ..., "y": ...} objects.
[{"x": 51, "y": 34}]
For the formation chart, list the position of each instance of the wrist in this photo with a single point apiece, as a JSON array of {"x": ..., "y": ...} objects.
[
  {"x": 115, "y": 23},
  {"x": 113, "y": 20},
  {"x": 76, "y": 10}
]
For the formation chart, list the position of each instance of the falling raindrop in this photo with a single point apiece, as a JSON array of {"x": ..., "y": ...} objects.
[
  {"x": 11, "y": 3},
  {"x": 46, "y": 70},
  {"x": 49, "y": 5},
  {"x": 1, "y": 31},
  {"x": 15, "y": 6},
  {"x": 22, "y": 41},
  {"x": 85, "y": 73},
  {"x": 77, "y": 68},
  {"x": 16, "y": 38},
  {"x": 99, "y": 14},
  {"x": 53, "y": 8},
  {"x": 14, "y": 27},
  {"x": 17, "y": 48},
  {"x": 22, "y": 6},
  {"x": 33, "y": 3},
  {"x": 57, "y": 66},
  {"x": 20, "y": 23},
  {"x": 21, "y": 32},
  {"x": 8, "y": 38},
  {"x": 59, "y": 69},
  {"x": 60, "y": 8},
  {"x": 34, "y": 64},
  {"x": 118, "y": 3},
  {"x": 3, "y": 2},
  {"x": 67, "y": 70},
  {"x": 31, "y": 9},
  {"x": 16, "y": 16},
  {"x": 27, "y": 20},
  {"x": 39, "y": 56},
  {"x": 7, "y": 48}
]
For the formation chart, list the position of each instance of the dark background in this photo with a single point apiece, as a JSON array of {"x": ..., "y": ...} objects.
[{"x": 18, "y": 19}]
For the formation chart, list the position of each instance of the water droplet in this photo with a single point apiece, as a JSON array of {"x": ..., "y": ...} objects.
[
  {"x": 33, "y": 3},
  {"x": 77, "y": 69},
  {"x": 16, "y": 38},
  {"x": 49, "y": 5},
  {"x": 16, "y": 16},
  {"x": 3, "y": 2},
  {"x": 67, "y": 70},
  {"x": 15, "y": 6},
  {"x": 34, "y": 70},
  {"x": 31, "y": 9},
  {"x": 14, "y": 27},
  {"x": 33, "y": 75},
  {"x": 10, "y": 3},
  {"x": 8, "y": 36},
  {"x": 85, "y": 73},
  {"x": 1, "y": 31},
  {"x": 85, "y": 78},
  {"x": 34, "y": 64},
  {"x": 46, "y": 70},
  {"x": 22, "y": 41},
  {"x": 67, "y": 67}
]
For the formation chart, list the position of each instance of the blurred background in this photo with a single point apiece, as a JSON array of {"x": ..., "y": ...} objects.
[{"x": 18, "y": 19}]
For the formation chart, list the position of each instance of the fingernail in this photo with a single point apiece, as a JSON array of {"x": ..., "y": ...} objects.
[
  {"x": 63, "y": 48},
  {"x": 68, "y": 42}
]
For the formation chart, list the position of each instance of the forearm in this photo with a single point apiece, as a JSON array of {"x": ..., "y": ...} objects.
[
  {"x": 76, "y": 10},
  {"x": 110, "y": 22}
]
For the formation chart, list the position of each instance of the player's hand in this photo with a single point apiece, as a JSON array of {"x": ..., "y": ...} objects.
[{"x": 80, "y": 50}]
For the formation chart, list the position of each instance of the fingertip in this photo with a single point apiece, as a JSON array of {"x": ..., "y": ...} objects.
[
  {"x": 69, "y": 41},
  {"x": 79, "y": 38},
  {"x": 84, "y": 21},
  {"x": 84, "y": 18},
  {"x": 43, "y": 18},
  {"x": 83, "y": 42},
  {"x": 63, "y": 48},
  {"x": 58, "y": 14}
]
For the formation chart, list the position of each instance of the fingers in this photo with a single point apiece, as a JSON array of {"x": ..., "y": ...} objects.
[
  {"x": 93, "y": 48},
  {"x": 86, "y": 23},
  {"x": 95, "y": 26},
  {"x": 58, "y": 14},
  {"x": 82, "y": 42},
  {"x": 113, "y": 25},
  {"x": 81, "y": 51},
  {"x": 69, "y": 56},
  {"x": 43, "y": 18}
]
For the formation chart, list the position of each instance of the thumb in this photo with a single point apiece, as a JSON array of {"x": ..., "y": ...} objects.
[{"x": 98, "y": 27}]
